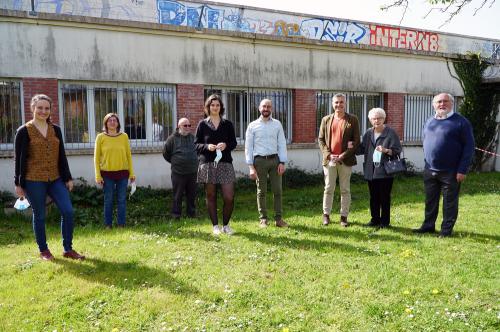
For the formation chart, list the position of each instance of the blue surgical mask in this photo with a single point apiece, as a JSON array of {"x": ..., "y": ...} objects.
[
  {"x": 377, "y": 157},
  {"x": 21, "y": 204},
  {"x": 218, "y": 156}
]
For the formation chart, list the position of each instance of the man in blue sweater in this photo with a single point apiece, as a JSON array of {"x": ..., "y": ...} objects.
[{"x": 448, "y": 150}]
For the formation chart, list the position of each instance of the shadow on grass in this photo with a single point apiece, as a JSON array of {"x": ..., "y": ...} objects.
[
  {"x": 303, "y": 244},
  {"x": 333, "y": 231},
  {"x": 129, "y": 275}
]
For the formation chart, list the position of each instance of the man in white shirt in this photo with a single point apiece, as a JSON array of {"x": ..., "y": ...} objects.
[{"x": 265, "y": 154}]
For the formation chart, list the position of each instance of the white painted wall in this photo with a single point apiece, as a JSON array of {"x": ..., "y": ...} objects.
[
  {"x": 143, "y": 55},
  {"x": 152, "y": 170}
]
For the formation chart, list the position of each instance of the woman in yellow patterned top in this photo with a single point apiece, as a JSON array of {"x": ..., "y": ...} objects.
[{"x": 113, "y": 168}]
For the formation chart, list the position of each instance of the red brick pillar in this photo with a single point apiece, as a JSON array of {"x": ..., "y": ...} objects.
[
  {"x": 394, "y": 105},
  {"x": 304, "y": 116},
  {"x": 190, "y": 99},
  {"x": 46, "y": 86}
]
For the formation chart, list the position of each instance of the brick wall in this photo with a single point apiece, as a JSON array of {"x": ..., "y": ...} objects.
[
  {"x": 394, "y": 106},
  {"x": 190, "y": 101},
  {"x": 47, "y": 86},
  {"x": 304, "y": 116}
]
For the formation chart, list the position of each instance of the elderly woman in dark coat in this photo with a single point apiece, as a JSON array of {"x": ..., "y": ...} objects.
[{"x": 378, "y": 145}]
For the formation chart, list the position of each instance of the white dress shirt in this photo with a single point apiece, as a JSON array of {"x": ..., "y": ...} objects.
[{"x": 264, "y": 138}]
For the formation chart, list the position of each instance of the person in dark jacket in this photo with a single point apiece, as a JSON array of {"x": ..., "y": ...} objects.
[
  {"x": 41, "y": 169},
  {"x": 180, "y": 152},
  {"x": 448, "y": 142},
  {"x": 215, "y": 139},
  {"x": 378, "y": 145}
]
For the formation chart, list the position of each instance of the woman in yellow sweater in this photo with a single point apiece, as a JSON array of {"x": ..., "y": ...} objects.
[{"x": 113, "y": 168}]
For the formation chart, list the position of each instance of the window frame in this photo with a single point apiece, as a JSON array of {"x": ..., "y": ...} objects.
[
  {"x": 363, "y": 122},
  {"x": 245, "y": 110},
  {"x": 10, "y": 146},
  {"x": 120, "y": 87}
]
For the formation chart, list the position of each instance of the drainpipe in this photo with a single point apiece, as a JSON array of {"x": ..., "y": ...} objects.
[{"x": 32, "y": 11}]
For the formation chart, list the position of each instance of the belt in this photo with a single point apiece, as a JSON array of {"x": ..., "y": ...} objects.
[{"x": 271, "y": 156}]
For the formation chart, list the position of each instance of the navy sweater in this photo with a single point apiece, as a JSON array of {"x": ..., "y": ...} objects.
[{"x": 448, "y": 144}]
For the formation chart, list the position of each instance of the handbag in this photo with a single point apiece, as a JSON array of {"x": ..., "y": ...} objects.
[{"x": 395, "y": 166}]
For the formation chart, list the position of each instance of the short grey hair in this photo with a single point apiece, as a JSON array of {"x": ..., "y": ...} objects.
[
  {"x": 450, "y": 97},
  {"x": 339, "y": 95},
  {"x": 377, "y": 110}
]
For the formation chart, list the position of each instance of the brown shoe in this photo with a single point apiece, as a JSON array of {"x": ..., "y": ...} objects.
[
  {"x": 46, "y": 255},
  {"x": 281, "y": 223},
  {"x": 326, "y": 219},
  {"x": 263, "y": 223},
  {"x": 343, "y": 221},
  {"x": 73, "y": 255}
]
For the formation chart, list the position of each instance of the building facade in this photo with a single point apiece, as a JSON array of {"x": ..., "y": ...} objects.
[{"x": 153, "y": 62}]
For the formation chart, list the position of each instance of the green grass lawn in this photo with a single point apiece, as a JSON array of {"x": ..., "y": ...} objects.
[{"x": 160, "y": 275}]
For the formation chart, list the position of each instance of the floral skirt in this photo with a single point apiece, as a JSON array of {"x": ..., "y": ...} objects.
[{"x": 220, "y": 174}]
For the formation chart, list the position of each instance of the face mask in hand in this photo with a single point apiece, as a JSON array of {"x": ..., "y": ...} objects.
[
  {"x": 218, "y": 156},
  {"x": 377, "y": 157},
  {"x": 21, "y": 204},
  {"x": 133, "y": 188}
]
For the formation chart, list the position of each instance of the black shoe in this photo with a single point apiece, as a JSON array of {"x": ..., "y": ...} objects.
[
  {"x": 373, "y": 224},
  {"x": 385, "y": 226},
  {"x": 423, "y": 230}
]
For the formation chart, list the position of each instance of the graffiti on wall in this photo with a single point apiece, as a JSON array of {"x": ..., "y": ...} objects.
[
  {"x": 137, "y": 10},
  {"x": 237, "y": 19},
  {"x": 403, "y": 38},
  {"x": 495, "y": 54},
  {"x": 333, "y": 30},
  {"x": 230, "y": 18}
]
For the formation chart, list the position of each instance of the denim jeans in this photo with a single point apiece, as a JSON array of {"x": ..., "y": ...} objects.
[
  {"x": 36, "y": 193},
  {"x": 110, "y": 188}
]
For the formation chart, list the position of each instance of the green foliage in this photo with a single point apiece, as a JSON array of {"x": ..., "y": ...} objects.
[
  {"x": 6, "y": 198},
  {"x": 479, "y": 106},
  {"x": 84, "y": 195}
]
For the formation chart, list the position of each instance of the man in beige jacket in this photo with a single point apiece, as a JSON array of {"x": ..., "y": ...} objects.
[{"x": 338, "y": 139}]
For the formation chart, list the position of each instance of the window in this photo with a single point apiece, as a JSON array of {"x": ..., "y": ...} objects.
[
  {"x": 242, "y": 107},
  {"x": 147, "y": 113},
  {"x": 357, "y": 103},
  {"x": 418, "y": 108},
  {"x": 11, "y": 113}
]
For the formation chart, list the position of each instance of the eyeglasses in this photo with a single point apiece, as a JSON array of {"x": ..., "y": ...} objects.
[{"x": 187, "y": 126}]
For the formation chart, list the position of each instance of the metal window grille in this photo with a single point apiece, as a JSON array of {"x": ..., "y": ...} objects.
[
  {"x": 75, "y": 114},
  {"x": 242, "y": 107},
  {"x": 11, "y": 116},
  {"x": 418, "y": 108},
  {"x": 146, "y": 113},
  {"x": 357, "y": 103}
]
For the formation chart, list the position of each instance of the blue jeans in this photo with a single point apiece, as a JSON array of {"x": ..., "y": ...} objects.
[
  {"x": 36, "y": 193},
  {"x": 110, "y": 188}
]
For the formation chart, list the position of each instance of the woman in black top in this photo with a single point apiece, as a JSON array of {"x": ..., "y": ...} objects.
[{"x": 215, "y": 139}]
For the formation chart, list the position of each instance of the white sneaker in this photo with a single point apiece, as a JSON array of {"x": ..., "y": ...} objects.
[
  {"x": 228, "y": 230},
  {"x": 216, "y": 230}
]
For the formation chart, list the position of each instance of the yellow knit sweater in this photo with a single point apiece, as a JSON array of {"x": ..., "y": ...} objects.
[{"x": 112, "y": 153}]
